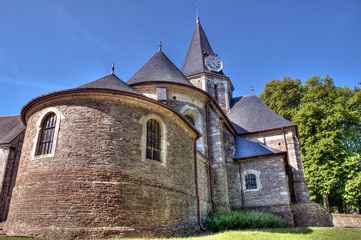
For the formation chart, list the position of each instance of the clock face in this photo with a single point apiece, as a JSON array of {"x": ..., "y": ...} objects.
[{"x": 213, "y": 63}]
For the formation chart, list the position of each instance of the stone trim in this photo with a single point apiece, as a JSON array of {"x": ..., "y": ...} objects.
[
  {"x": 258, "y": 179},
  {"x": 36, "y": 140},
  {"x": 164, "y": 143}
]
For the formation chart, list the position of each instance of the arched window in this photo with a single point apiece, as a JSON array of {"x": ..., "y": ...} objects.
[
  {"x": 153, "y": 150},
  {"x": 190, "y": 119},
  {"x": 251, "y": 182},
  {"x": 46, "y": 137}
]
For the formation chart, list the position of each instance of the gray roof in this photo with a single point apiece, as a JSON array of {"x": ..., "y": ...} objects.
[
  {"x": 111, "y": 82},
  {"x": 246, "y": 148},
  {"x": 10, "y": 128},
  {"x": 249, "y": 114},
  {"x": 197, "y": 51},
  {"x": 159, "y": 69}
]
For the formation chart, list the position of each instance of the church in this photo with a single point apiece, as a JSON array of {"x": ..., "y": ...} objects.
[{"x": 149, "y": 157}]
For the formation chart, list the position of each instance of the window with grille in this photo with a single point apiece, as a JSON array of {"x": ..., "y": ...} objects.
[
  {"x": 47, "y": 130},
  {"x": 251, "y": 182},
  {"x": 190, "y": 119},
  {"x": 153, "y": 140}
]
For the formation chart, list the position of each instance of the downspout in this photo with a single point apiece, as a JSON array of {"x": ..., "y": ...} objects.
[
  {"x": 210, "y": 157},
  {"x": 241, "y": 181},
  {"x": 196, "y": 181}
]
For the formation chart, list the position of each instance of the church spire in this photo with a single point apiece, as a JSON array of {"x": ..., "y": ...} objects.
[{"x": 199, "y": 48}]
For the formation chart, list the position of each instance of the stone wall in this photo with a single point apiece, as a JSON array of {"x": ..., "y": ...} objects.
[
  {"x": 97, "y": 184},
  {"x": 271, "y": 195},
  {"x": 186, "y": 101},
  {"x": 272, "y": 184},
  {"x": 204, "y": 186},
  {"x": 219, "y": 89},
  {"x": 310, "y": 214},
  {"x": 218, "y": 162},
  {"x": 347, "y": 220},
  {"x": 9, "y": 159},
  {"x": 276, "y": 139}
]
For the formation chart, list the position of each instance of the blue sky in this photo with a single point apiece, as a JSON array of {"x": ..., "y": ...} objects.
[{"x": 49, "y": 45}]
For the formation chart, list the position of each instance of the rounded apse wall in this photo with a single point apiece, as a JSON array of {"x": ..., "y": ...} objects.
[{"x": 98, "y": 182}]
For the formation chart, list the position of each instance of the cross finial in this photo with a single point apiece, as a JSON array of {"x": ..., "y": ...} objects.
[
  {"x": 112, "y": 68},
  {"x": 197, "y": 17},
  {"x": 252, "y": 89},
  {"x": 160, "y": 45}
]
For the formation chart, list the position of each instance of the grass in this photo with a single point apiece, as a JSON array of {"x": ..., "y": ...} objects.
[{"x": 312, "y": 233}]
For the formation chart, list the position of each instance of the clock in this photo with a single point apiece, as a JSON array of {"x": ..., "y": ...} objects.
[{"x": 213, "y": 63}]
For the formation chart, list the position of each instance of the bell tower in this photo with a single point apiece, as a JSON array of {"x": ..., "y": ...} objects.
[{"x": 204, "y": 69}]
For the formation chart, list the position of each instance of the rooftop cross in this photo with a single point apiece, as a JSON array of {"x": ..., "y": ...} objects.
[{"x": 197, "y": 17}]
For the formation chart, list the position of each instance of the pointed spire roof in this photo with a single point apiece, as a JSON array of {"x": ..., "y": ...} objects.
[
  {"x": 159, "y": 69},
  {"x": 111, "y": 82},
  {"x": 197, "y": 51},
  {"x": 249, "y": 114}
]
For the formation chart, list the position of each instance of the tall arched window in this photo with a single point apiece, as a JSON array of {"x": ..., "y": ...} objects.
[
  {"x": 47, "y": 131},
  {"x": 251, "y": 181},
  {"x": 153, "y": 150},
  {"x": 190, "y": 119}
]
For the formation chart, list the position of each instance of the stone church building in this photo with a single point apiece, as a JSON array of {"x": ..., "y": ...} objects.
[{"x": 149, "y": 157}]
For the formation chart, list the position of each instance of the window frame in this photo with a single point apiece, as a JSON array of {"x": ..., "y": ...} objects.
[
  {"x": 163, "y": 140},
  {"x": 254, "y": 172},
  {"x": 199, "y": 123},
  {"x": 154, "y": 139},
  {"x": 251, "y": 181},
  {"x": 39, "y": 126}
]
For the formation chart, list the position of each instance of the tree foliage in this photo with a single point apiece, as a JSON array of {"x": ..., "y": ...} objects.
[{"x": 329, "y": 122}]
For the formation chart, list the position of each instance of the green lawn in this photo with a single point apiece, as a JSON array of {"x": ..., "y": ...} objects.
[{"x": 274, "y": 234}]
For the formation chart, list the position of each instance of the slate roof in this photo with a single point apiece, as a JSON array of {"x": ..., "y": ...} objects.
[
  {"x": 159, "y": 69},
  {"x": 249, "y": 114},
  {"x": 198, "y": 49},
  {"x": 111, "y": 82},
  {"x": 246, "y": 148},
  {"x": 10, "y": 128}
]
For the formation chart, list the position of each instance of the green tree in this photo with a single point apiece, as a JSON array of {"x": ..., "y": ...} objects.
[
  {"x": 329, "y": 123},
  {"x": 283, "y": 96},
  {"x": 353, "y": 192}
]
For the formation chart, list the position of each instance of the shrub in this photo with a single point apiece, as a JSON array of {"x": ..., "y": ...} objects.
[{"x": 242, "y": 219}]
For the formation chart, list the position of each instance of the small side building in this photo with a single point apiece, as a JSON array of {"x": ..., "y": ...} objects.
[{"x": 11, "y": 140}]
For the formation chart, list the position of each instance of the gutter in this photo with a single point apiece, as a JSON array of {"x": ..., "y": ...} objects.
[{"x": 260, "y": 155}]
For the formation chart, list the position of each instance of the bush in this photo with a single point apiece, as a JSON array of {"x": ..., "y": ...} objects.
[{"x": 242, "y": 219}]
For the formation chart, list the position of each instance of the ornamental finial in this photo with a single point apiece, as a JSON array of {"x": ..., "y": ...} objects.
[
  {"x": 197, "y": 17},
  {"x": 112, "y": 68},
  {"x": 160, "y": 45},
  {"x": 252, "y": 89}
]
